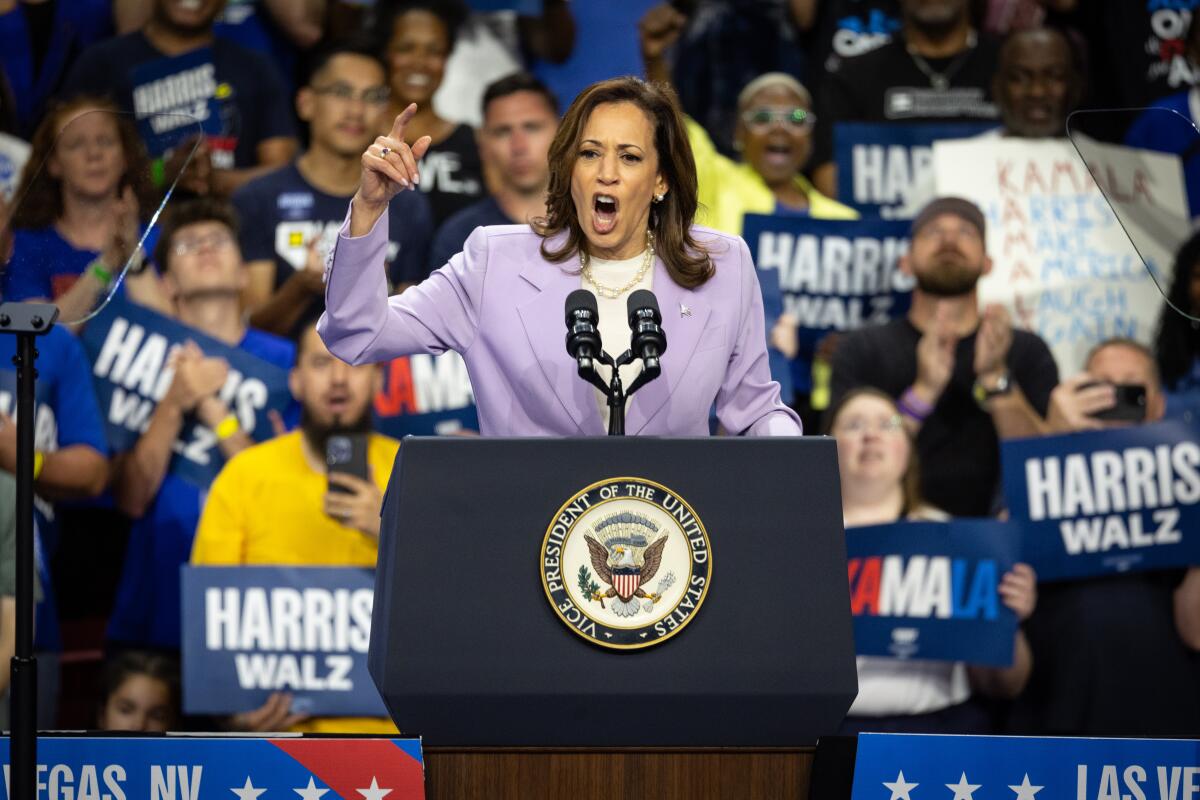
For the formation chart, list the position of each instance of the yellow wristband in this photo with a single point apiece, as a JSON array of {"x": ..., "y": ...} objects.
[
  {"x": 39, "y": 461},
  {"x": 227, "y": 427}
]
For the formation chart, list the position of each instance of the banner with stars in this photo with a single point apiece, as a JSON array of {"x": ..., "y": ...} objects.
[
  {"x": 196, "y": 768},
  {"x": 924, "y": 767}
]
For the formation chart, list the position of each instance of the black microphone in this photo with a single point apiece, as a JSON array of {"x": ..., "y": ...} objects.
[
  {"x": 583, "y": 339},
  {"x": 648, "y": 342}
]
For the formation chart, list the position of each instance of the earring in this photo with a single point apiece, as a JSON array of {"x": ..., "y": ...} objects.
[{"x": 658, "y": 198}]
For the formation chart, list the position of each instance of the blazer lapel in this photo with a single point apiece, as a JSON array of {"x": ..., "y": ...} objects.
[
  {"x": 543, "y": 317},
  {"x": 684, "y": 319}
]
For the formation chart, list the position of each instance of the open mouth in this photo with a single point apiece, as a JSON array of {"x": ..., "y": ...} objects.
[
  {"x": 604, "y": 216},
  {"x": 338, "y": 402}
]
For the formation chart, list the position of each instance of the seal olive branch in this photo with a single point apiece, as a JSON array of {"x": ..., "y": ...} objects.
[{"x": 588, "y": 585}]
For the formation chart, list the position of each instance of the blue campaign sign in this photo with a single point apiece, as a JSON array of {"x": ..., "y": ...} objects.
[
  {"x": 833, "y": 275},
  {"x": 1107, "y": 501},
  {"x": 177, "y": 97},
  {"x": 915, "y": 767},
  {"x": 928, "y": 590},
  {"x": 425, "y": 395},
  {"x": 886, "y": 169},
  {"x": 194, "y": 767},
  {"x": 130, "y": 347},
  {"x": 250, "y": 631}
]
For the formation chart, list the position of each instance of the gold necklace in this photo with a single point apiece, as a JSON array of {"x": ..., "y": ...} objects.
[{"x": 607, "y": 291}]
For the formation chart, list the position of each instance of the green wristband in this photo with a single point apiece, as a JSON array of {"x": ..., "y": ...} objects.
[
  {"x": 102, "y": 273},
  {"x": 158, "y": 172}
]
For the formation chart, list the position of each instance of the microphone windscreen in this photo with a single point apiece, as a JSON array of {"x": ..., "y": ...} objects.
[
  {"x": 642, "y": 298},
  {"x": 580, "y": 300}
]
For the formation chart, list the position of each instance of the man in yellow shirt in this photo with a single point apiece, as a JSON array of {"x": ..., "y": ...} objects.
[{"x": 271, "y": 504}]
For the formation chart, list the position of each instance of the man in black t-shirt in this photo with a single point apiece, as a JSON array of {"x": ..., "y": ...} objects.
[
  {"x": 173, "y": 75},
  {"x": 1117, "y": 655},
  {"x": 520, "y": 118},
  {"x": 936, "y": 70},
  {"x": 290, "y": 217},
  {"x": 963, "y": 379}
]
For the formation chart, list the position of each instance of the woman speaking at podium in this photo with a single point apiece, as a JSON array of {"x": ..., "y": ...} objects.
[{"x": 619, "y": 211}]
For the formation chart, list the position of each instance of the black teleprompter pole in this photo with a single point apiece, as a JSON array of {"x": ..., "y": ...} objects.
[{"x": 26, "y": 321}]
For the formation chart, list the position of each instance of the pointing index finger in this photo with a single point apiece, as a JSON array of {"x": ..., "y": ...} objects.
[{"x": 401, "y": 122}]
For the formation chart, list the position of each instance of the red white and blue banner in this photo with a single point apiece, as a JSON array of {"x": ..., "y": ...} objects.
[
  {"x": 251, "y": 631},
  {"x": 929, "y": 590},
  {"x": 916, "y": 767},
  {"x": 198, "y": 768},
  {"x": 1109, "y": 501},
  {"x": 886, "y": 169}
]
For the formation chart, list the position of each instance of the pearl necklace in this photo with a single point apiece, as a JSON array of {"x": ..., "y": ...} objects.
[{"x": 585, "y": 267}]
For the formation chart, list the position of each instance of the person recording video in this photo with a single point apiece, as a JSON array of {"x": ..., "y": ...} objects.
[{"x": 620, "y": 206}]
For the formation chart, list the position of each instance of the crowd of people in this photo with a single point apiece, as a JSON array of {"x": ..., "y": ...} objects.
[{"x": 249, "y": 118}]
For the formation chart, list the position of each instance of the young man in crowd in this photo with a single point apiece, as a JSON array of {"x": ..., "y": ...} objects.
[
  {"x": 173, "y": 72},
  {"x": 203, "y": 275},
  {"x": 938, "y": 69},
  {"x": 963, "y": 379},
  {"x": 1116, "y": 655},
  {"x": 291, "y": 216},
  {"x": 520, "y": 118},
  {"x": 275, "y": 503}
]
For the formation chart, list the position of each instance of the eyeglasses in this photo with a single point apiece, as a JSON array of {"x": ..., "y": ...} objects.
[
  {"x": 798, "y": 119},
  {"x": 859, "y": 425},
  {"x": 194, "y": 244},
  {"x": 375, "y": 96}
]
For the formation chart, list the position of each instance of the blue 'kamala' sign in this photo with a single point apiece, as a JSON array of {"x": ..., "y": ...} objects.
[{"x": 928, "y": 590}]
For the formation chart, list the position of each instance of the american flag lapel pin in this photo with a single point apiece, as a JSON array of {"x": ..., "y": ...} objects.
[{"x": 684, "y": 311}]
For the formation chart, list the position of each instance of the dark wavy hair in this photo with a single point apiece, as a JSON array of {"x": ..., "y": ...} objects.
[
  {"x": 686, "y": 260},
  {"x": 910, "y": 482},
  {"x": 124, "y": 664},
  {"x": 1177, "y": 343},
  {"x": 39, "y": 194}
]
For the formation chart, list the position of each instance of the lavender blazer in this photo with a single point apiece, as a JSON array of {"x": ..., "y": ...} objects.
[{"x": 501, "y": 305}]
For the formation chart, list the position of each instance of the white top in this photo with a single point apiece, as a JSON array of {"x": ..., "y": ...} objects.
[{"x": 614, "y": 319}]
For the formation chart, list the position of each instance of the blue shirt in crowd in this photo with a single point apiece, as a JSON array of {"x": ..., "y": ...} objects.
[
  {"x": 147, "y": 609},
  {"x": 66, "y": 414}
]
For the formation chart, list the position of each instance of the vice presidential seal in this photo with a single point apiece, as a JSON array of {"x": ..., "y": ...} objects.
[{"x": 626, "y": 563}]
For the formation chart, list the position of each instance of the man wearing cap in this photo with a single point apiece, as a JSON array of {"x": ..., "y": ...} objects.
[{"x": 963, "y": 379}]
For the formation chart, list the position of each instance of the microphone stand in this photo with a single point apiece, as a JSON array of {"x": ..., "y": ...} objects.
[
  {"x": 614, "y": 390},
  {"x": 26, "y": 321}
]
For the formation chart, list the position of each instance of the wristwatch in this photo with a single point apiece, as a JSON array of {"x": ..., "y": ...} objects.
[{"x": 983, "y": 393}]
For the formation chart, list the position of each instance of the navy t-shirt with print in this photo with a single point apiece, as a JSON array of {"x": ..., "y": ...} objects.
[
  {"x": 146, "y": 612},
  {"x": 236, "y": 94},
  {"x": 281, "y": 213}
]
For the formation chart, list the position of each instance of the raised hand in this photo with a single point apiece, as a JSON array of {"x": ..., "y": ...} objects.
[
  {"x": 389, "y": 165},
  {"x": 935, "y": 356},
  {"x": 993, "y": 341},
  {"x": 658, "y": 29}
]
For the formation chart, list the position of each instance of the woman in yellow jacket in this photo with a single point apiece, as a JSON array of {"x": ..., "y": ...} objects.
[{"x": 774, "y": 137}]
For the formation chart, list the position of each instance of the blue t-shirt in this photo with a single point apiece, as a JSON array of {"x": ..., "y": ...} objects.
[
  {"x": 235, "y": 93},
  {"x": 77, "y": 25},
  {"x": 1167, "y": 133},
  {"x": 450, "y": 238},
  {"x": 281, "y": 213},
  {"x": 45, "y": 265},
  {"x": 66, "y": 414},
  {"x": 147, "y": 607}
]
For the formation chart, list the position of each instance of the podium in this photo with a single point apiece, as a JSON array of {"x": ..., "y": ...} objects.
[{"x": 477, "y": 645}]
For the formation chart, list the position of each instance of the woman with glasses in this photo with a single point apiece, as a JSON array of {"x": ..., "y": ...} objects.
[
  {"x": 418, "y": 36},
  {"x": 880, "y": 485}
]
